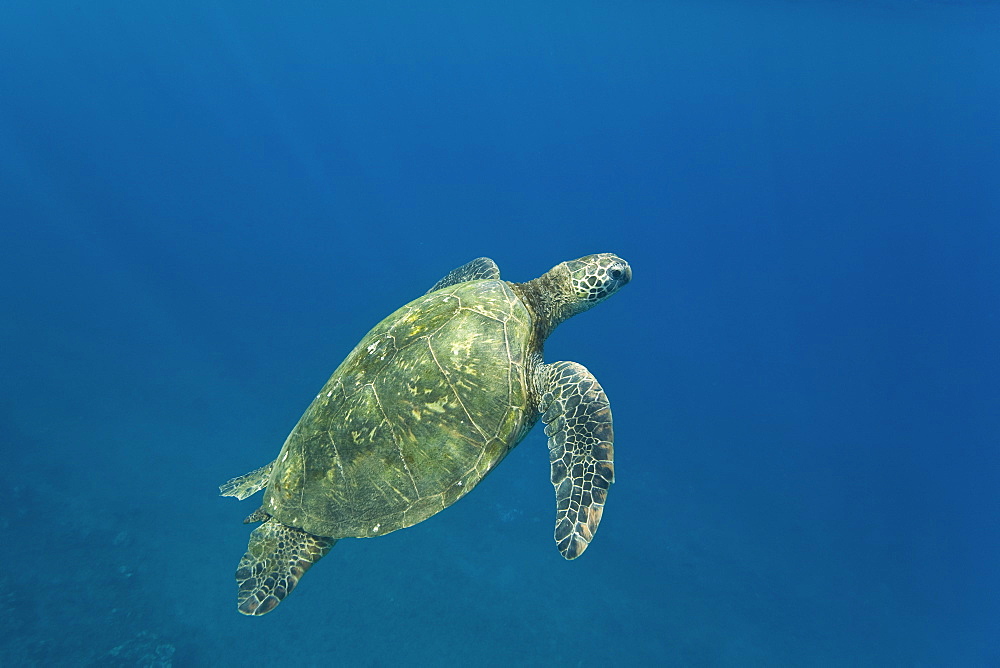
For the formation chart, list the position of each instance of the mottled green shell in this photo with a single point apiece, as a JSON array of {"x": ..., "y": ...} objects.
[{"x": 425, "y": 406}]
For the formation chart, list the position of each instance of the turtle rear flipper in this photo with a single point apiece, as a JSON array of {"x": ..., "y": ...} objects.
[
  {"x": 577, "y": 419},
  {"x": 247, "y": 484},
  {"x": 275, "y": 560}
]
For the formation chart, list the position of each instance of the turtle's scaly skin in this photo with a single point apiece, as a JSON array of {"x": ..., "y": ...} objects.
[{"x": 428, "y": 403}]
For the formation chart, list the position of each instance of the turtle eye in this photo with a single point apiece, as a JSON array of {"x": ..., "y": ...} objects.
[{"x": 615, "y": 273}]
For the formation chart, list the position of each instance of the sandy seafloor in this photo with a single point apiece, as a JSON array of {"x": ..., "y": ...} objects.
[{"x": 206, "y": 204}]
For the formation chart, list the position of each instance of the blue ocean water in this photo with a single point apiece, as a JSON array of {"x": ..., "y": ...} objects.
[{"x": 205, "y": 205}]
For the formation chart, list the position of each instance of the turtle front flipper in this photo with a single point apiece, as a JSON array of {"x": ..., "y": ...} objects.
[
  {"x": 480, "y": 268},
  {"x": 247, "y": 484},
  {"x": 276, "y": 558},
  {"x": 577, "y": 419}
]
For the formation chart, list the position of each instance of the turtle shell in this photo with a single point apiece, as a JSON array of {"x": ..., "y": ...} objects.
[{"x": 430, "y": 400}]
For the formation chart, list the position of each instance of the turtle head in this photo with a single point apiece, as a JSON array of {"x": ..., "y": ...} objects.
[
  {"x": 594, "y": 278},
  {"x": 573, "y": 287}
]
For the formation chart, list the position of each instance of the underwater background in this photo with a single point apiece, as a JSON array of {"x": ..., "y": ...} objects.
[{"x": 205, "y": 205}]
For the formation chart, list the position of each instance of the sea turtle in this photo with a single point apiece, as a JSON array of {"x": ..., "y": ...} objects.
[{"x": 423, "y": 408}]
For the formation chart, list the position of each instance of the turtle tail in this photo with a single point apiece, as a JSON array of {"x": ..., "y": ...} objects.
[{"x": 276, "y": 558}]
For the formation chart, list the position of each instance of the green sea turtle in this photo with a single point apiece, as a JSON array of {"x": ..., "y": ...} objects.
[{"x": 423, "y": 408}]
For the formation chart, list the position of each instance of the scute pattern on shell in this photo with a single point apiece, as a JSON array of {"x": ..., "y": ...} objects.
[{"x": 426, "y": 404}]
